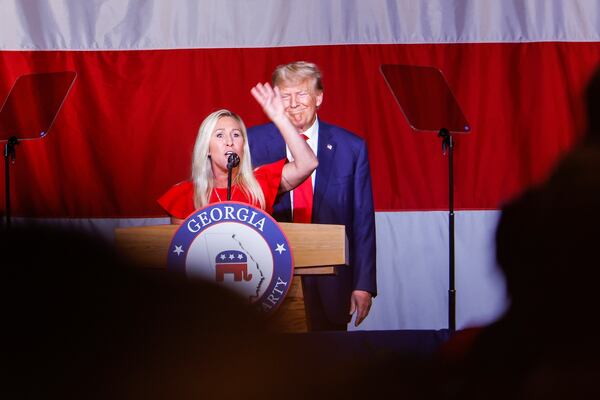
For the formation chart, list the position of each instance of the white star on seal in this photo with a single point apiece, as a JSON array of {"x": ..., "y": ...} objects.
[
  {"x": 178, "y": 250},
  {"x": 280, "y": 248},
  {"x": 329, "y": 146}
]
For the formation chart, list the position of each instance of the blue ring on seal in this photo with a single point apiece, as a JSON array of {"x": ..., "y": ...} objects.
[{"x": 283, "y": 268}]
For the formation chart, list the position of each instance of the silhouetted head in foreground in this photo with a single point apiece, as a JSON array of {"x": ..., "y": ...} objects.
[
  {"x": 79, "y": 323},
  {"x": 546, "y": 347}
]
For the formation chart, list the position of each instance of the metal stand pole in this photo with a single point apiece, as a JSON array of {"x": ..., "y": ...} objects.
[
  {"x": 9, "y": 157},
  {"x": 448, "y": 145}
]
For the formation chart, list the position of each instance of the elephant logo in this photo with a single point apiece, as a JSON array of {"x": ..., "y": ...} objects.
[{"x": 232, "y": 262}]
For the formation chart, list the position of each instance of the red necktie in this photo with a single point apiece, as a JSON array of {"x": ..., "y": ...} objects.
[{"x": 303, "y": 200}]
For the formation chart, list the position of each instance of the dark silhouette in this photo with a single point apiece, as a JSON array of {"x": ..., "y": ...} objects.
[
  {"x": 78, "y": 322},
  {"x": 545, "y": 346}
]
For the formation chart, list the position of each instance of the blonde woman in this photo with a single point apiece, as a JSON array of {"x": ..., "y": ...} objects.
[{"x": 222, "y": 133}]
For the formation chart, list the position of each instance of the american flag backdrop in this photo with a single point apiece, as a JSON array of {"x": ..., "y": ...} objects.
[{"x": 149, "y": 71}]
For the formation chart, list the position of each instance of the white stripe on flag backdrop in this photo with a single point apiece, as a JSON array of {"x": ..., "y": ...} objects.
[{"x": 149, "y": 71}]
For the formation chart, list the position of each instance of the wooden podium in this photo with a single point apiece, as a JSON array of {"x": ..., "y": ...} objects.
[{"x": 317, "y": 250}]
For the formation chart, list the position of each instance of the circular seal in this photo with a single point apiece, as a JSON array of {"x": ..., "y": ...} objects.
[{"x": 237, "y": 246}]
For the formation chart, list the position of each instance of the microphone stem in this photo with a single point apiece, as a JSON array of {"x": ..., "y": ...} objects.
[
  {"x": 228, "y": 183},
  {"x": 232, "y": 161}
]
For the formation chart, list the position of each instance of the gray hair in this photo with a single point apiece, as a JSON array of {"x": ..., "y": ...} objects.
[{"x": 297, "y": 72}]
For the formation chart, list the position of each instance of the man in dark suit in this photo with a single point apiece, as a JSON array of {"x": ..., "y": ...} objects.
[{"x": 342, "y": 195}]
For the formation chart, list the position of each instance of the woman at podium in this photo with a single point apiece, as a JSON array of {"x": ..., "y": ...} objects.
[{"x": 222, "y": 141}]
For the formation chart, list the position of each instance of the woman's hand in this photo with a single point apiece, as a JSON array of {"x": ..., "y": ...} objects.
[
  {"x": 305, "y": 161},
  {"x": 270, "y": 100}
]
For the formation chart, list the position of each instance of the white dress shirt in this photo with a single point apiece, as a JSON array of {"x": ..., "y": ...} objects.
[{"x": 312, "y": 134}]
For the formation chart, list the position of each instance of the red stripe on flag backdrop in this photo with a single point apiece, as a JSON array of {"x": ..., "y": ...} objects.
[{"x": 126, "y": 132}]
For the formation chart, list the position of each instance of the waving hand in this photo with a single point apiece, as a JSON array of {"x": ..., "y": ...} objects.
[
  {"x": 305, "y": 161},
  {"x": 270, "y": 100}
]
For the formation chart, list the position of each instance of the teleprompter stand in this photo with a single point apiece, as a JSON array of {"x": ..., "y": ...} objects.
[
  {"x": 29, "y": 112},
  {"x": 429, "y": 106}
]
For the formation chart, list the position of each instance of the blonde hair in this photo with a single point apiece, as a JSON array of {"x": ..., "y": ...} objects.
[
  {"x": 297, "y": 72},
  {"x": 202, "y": 174}
]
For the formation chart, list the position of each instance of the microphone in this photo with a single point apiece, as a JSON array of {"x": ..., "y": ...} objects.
[{"x": 233, "y": 160}]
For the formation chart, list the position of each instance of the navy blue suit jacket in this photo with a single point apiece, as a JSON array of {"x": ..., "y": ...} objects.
[{"x": 342, "y": 195}]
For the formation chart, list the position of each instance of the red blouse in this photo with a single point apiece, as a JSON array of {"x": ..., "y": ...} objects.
[{"x": 178, "y": 201}]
